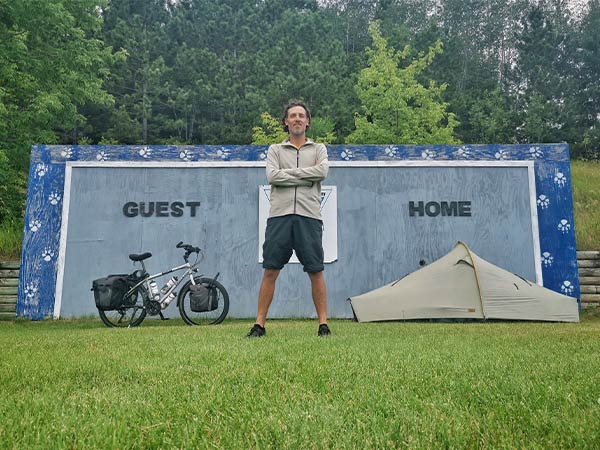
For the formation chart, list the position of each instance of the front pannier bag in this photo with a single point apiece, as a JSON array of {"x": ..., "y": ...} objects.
[
  {"x": 110, "y": 291},
  {"x": 202, "y": 299}
]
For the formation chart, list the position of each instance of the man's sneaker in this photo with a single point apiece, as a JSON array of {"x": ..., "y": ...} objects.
[
  {"x": 324, "y": 330},
  {"x": 257, "y": 331}
]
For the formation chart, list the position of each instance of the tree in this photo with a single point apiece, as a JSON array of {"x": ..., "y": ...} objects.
[
  {"x": 397, "y": 109},
  {"x": 490, "y": 118},
  {"x": 588, "y": 78},
  {"x": 478, "y": 40},
  {"x": 137, "y": 82},
  {"x": 52, "y": 65},
  {"x": 271, "y": 131},
  {"x": 543, "y": 78}
]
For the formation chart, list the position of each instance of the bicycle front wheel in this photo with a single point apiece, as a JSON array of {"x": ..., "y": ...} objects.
[
  {"x": 216, "y": 292},
  {"x": 130, "y": 314}
]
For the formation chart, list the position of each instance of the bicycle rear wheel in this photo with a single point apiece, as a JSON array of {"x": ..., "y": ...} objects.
[
  {"x": 213, "y": 317},
  {"x": 131, "y": 314}
]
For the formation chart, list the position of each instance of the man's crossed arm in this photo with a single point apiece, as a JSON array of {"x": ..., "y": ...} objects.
[{"x": 300, "y": 176}]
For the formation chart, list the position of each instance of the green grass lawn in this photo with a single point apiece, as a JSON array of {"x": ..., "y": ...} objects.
[{"x": 382, "y": 385}]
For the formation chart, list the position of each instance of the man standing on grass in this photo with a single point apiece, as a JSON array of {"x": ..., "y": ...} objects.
[{"x": 295, "y": 169}]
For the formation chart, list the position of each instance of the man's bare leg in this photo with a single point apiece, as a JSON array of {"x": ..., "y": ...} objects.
[
  {"x": 319, "y": 294},
  {"x": 265, "y": 295}
]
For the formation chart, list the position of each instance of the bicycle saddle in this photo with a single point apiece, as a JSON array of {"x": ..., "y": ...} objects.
[{"x": 140, "y": 257}]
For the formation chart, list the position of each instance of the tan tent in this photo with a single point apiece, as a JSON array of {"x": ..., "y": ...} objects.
[{"x": 461, "y": 285}]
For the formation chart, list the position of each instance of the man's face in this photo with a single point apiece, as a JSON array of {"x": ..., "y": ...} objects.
[{"x": 296, "y": 120}]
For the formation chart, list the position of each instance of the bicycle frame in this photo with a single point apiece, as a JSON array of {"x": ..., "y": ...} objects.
[{"x": 191, "y": 270}]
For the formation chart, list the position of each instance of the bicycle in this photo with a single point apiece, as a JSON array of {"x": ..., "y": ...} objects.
[{"x": 141, "y": 295}]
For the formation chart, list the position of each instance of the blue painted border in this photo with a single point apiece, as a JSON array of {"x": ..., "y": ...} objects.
[{"x": 45, "y": 194}]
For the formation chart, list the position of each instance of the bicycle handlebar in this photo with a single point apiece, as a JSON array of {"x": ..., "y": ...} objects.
[{"x": 188, "y": 248}]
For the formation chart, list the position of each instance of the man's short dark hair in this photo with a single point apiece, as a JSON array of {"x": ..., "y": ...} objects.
[{"x": 291, "y": 105}]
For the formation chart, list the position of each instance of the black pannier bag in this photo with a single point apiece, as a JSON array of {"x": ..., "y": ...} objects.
[
  {"x": 109, "y": 292},
  {"x": 202, "y": 299}
]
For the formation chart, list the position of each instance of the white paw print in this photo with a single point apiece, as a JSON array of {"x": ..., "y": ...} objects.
[
  {"x": 145, "y": 152},
  {"x": 41, "y": 169},
  {"x": 347, "y": 154},
  {"x": 223, "y": 153},
  {"x": 560, "y": 179},
  {"x": 543, "y": 201},
  {"x": 535, "y": 152},
  {"x": 391, "y": 151},
  {"x": 463, "y": 152},
  {"x": 31, "y": 290},
  {"x": 428, "y": 154},
  {"x": 67, "y": 152},
  {"x": 54, "y": 198},
  {"x": 47, "y": 254},
  {"x": 567, "y": 287},
  {"x": 501, "y": 155},
  {"x": 263, "y": 155},
  {"x": 186, "y": 155},
  {"x": 564, "y": 226},
  {"x": 547, "y": 259},
  {"x": 35, "y": 225},
  {"x": 102, "y": 156}
]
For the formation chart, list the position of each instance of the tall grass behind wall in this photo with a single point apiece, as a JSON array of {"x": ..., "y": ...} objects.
[
  {"x": 586, "y": 201},
  {"x": 11, "y": 236}
]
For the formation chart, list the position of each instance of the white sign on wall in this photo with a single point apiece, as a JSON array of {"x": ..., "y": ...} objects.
[{"x": 328, "y": 213}]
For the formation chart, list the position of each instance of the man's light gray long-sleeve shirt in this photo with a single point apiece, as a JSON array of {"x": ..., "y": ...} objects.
[{"x": 295, "y": 177}]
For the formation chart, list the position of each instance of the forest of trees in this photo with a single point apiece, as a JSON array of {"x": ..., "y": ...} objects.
[{"x": 206, "y": 71}]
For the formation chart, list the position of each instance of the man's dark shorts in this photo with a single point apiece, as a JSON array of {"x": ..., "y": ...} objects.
[{"x": 293, "y": 232}]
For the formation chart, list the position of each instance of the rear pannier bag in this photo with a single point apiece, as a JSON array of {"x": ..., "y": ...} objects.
[
  {"x": 109, "y": 292},
  {"x": 202, "y": 299}
]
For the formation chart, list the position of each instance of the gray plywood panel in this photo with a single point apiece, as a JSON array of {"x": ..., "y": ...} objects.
[{"x": 378, "y": 241}]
